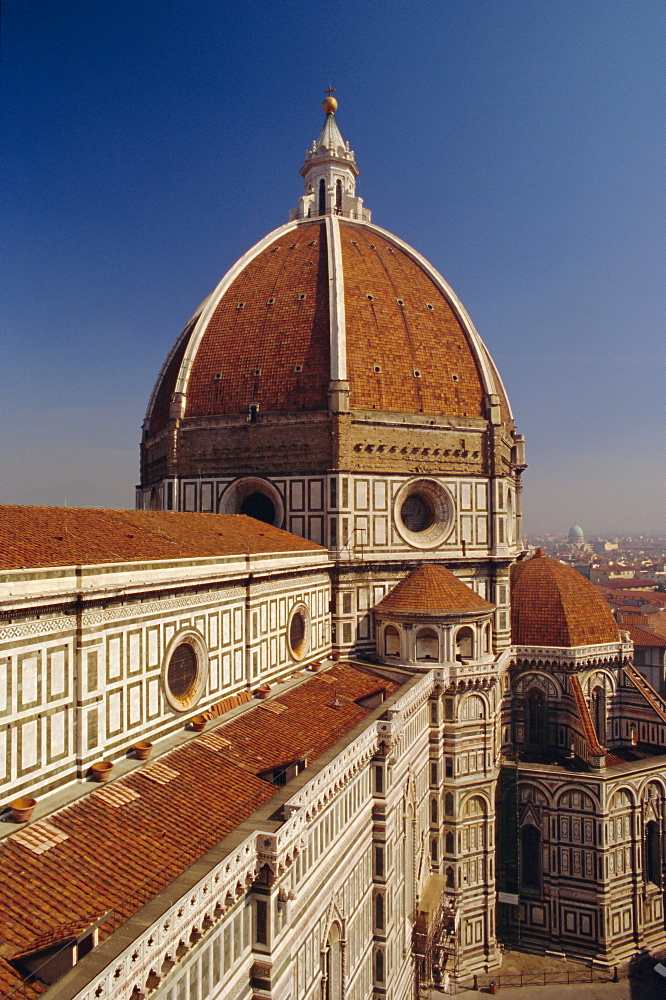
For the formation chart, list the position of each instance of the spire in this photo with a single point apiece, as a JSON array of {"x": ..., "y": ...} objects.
[{"x": 330, "y": 174}]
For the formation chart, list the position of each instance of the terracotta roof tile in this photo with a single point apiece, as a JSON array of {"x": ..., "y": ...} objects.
[
  {"x": 283, "y": 322},
  {"x": 420, "y": 332},
  {"x": 70, "y": 536},
  {"x": 432, "y": 589},
  {"x": 553, "y": 605},
  {"x": 643, "y": 636},
  {"x": 583, "y": 711},
  {"x": 121, "y": 844}
]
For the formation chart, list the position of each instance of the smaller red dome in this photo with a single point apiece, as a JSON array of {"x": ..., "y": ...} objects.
[
  {"x": 432, "y": 589},
  {"x": 553, "y": 605}
]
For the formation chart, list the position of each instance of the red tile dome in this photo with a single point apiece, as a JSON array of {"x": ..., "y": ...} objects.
[
  {"x": 432, "y": 589},
  {"x": 264, "y": 335},
  {"x": 553, "y": 605}
]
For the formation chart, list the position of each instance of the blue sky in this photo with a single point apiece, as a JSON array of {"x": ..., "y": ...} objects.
[{"x": 517, "y": 145}]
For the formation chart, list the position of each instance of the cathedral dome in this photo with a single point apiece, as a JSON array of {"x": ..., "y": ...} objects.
[
  {"x": 329, "y": 312},
  {"x": 553, "y": 605},
  {"x": 269, "y": 336}
]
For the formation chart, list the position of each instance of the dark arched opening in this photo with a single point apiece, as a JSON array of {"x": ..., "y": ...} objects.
[
  {"x": 530, "y": 858},
  {"x": 338, "y": 196},
  {"x": 322, "y": 196},
  {"x": 599, "y": 713},
  {"x": 258, "y": 506},
  {"x": 535, "y": 718},
  {"x": 652, "y": 854}
]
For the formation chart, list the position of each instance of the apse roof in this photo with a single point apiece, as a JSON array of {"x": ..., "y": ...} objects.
[
  {"x": 34, "y": 537},
  {"x": 553, "y": 605},
  {"x": 432, "y": 589}
]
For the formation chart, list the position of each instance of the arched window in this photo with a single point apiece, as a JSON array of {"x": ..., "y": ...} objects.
[
  {"x": 379, "y": 911},
  {"x": 449, "y": 843},
  {"x": 322, "y": 196},
  {"x": 391, "y": 641},
  {"x": 338, "y": 196},
  {"x": 464, "y": 644},
  {"x": 334, "y": 964},
  {"x": 449, "y": 878},
  {"x": 535, "y": 718},
  {"x": 486, "y": 638},
  {"x": 473, "y": 707},
  {"x": 434, "y": 854},
  {"x": 599, "y": 713},
  {"x": 433, "y": 811},
  {"x": 652, "y": 854},
  {"x": 448, "y": 804},
  {"x": 427, "y": 644},
  {"x": 530, "y": 858},
  {"x": 379, "y": 966}
]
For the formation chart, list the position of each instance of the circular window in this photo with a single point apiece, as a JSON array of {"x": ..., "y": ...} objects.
[
  {"x": 255, "y": 497},
  {"x": 423, "y": 513},
  {"x": 417, "y": 513},
  {"x": 185, "y": 671},
  {"x": 298, "y": 631}
]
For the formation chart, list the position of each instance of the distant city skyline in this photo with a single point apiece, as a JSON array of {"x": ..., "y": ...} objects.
[{"x": 514, "y": 145}]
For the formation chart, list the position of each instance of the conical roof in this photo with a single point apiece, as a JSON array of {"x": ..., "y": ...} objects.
[
  {"x": 330, "y": 137},
  {"x": 553, "y": 605},
  {"x": 432, "y": 589}
]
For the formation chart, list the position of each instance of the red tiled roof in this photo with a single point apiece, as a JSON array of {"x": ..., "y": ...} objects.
[
  {"x": 268, "y": 339},
  {"x": 283, "y": 322},
  {"x": 329, "y": 704},
  {"x": 589, "y": 730},
  {"x": 432, "y": 589},
  {"x": 656, "y": 598},
  {"x": 553, "y": 605},
  {"x": 70, "y": 536},
  {"x": 630, "y": 583},
  {"x": 642, "y": 636},
  {"x": 12, "y": 984},
  {"x": 401, "y": 338},
  {"x": 121, "y": 844}
]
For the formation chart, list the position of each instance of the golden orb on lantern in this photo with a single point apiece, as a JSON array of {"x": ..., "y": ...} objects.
[{"x": 330, "y": 105}]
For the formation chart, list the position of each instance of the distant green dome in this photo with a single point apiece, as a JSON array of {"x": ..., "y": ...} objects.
[{"x": 576, "y": 533}]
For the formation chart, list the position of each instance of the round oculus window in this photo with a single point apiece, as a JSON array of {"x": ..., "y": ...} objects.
[
  {"x": 185, "y": 672},
  {"x": 254, "y": 497},
  {"x": 423, "y": 513},
  {"x": 298, "y": 631},
  {"x": 417, "y": 513}
]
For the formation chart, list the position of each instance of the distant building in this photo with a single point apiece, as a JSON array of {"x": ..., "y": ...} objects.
[{"x": 576, "y": 536}]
